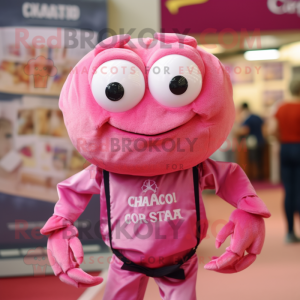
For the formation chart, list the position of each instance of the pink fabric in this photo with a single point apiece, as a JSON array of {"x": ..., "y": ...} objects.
[
  {"x": 67, "y": 254},
  {"x": 123, "y": 54},
  {"x": 128, "y": 285},
  {"x": 243, "y": 238},
  {"x": 54, "y": 223},
  {"x": 170, "y": 38},
  {"x": 206, "y": 122},
  {"x": 232, "y": 184},
  {"x": 162, "y": 225},
  {"x": 76, "y": 192},
  {"x": 208, "y": 119},
  {"x": 115, "y": 41},
  {"x": 254, "y": 205},
  {"x": 228, "y": 179}
]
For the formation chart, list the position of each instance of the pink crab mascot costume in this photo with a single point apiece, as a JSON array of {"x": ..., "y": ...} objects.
[{"x": 147, "y": 114}]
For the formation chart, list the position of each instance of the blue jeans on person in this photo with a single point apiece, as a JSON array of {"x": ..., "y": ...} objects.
[{"x": 290, "y": 175}]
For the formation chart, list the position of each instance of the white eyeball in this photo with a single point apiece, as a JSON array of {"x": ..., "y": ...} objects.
[
  {"x": 118, "y": 85},
  {"x": 175, "y": 80}
]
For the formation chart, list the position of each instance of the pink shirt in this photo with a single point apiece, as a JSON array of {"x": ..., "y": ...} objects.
[{"x": 153, "y": 218}]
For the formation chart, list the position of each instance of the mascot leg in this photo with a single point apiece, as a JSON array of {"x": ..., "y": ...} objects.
[
  {"x": 122, "y": 284},
  {"x": 174, "y": 289}
]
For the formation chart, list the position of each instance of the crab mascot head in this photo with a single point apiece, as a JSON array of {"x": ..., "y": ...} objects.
[{"x": 147, "y": 106}]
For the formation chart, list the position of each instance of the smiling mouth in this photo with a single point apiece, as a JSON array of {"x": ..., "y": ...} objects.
[
  {"x": 144, "y": 134},
  {"x": 152, "y": 135}
]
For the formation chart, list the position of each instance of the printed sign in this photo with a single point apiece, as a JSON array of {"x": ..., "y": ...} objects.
[
  {"x": 196, "y": 16},
  {"x": 41, "y": 42}
]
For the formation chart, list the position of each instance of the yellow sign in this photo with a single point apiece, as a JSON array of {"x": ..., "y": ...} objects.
[{"x": 174, "y": 5}]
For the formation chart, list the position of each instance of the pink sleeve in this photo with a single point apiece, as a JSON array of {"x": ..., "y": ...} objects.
[
  {"x": 76, "y": 192},
  {"x": 232, "y": 184}
]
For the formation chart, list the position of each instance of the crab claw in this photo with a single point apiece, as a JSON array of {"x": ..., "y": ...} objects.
[
  {"x": 65, "y": 253},
  {"x": 247, "y": 234},
  {"x": 230, "y": 263},
  {"x": 78, "y": 278}
]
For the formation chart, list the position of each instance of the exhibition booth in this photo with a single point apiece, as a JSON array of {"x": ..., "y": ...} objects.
[
  {"x": 40, "y": 45},
  {"x": 259, "y": 47},
  {"x": 49, "y": 38}
]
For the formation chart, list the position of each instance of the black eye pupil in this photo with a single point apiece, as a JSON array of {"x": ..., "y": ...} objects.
[
  {"x": 178, "y": 85},
  {"x": 114, "y": 91}
]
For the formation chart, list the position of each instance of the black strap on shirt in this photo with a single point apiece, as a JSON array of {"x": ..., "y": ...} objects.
[{"x": 173, "y": 271}]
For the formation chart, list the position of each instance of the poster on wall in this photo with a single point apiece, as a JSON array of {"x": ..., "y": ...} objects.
[
  {"x": 272, "y": 98},
  {"x": 240, "y": 73},
  {"x": 36, "y": 151},
  {"x": 207, "y": 16},
  {"x": 271, "y": 101},
  {"x": 40, "y": 63},
  {"x": 40, "y": 45},
  {"x": 273, "y": 71}
]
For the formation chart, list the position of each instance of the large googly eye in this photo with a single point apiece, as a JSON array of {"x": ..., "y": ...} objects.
[
  {"x": 118, "y": 85},
  {"x": 175, "y": 80}
]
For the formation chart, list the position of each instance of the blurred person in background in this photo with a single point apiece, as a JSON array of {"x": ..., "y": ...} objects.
[
  {"x": 287, "y": 129},
  {"x": 251, "y": 128}
]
